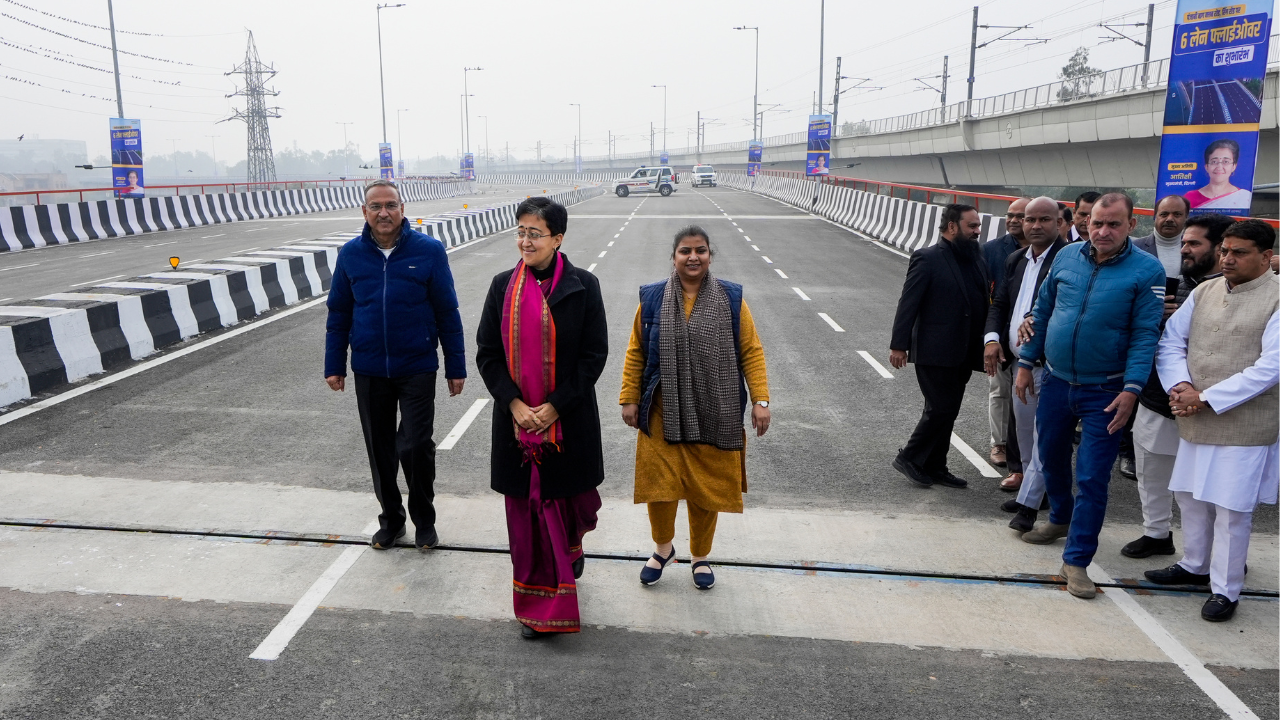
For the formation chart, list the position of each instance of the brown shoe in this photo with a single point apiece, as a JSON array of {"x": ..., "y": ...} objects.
[
  {"x": 1078, "y": 582},
  {"x": 998, "y": 457},
  {"x": 1012, "y": 483},
  {"x": 1045, "y": 534}
]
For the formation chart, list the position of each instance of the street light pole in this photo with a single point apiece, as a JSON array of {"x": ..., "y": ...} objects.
[
  {"x": 577, "y": 158},
  {"x": 115, "y": 61},
  {"x": 213, "y": 140},
  {"x": 755, "y": 95},
  {"x": 346, "y": 167},
  {"x": 664, "y": 118},
  {"x": 382, "y": 87},
  {"x": 485, "y": 118},
  {"x": 466, "y": 106},
  {"x": 822, "y": 38},
  {"x": 399, "y": 145}
]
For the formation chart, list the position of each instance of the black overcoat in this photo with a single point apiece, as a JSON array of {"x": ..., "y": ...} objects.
[
  {"x": 582, "y": 345},
  {"x": 942, "y": 312}
]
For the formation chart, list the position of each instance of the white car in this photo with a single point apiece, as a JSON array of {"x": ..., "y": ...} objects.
[
  {"x": 660, "y": 179},
  {"x": 703, "y": 175}
]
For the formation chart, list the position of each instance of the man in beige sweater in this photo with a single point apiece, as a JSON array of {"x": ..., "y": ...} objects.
[{"x": 1219, "y": 359}]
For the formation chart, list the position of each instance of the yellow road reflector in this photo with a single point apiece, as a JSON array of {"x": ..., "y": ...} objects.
[
  {"x": 173, "y": 262},
  {"x": 464, "y": 206},
  {"x": 419, "y": 221}
]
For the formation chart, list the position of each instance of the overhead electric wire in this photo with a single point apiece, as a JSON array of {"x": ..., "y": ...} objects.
[{"x": 97, "y": 45}]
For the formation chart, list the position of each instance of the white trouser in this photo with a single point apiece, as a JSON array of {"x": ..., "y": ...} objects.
[
  {"x": 1216, "y": 543},
  {"x": 1155, "y": 448},
  {"x": 1031, "y": 494},
  {"x": 999, "y": 390}
]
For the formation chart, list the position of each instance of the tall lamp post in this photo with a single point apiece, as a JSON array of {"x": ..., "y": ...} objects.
[
  {"x": 346, "y": 168},
  {"x": 466, "y": 107},
  {"x": 213, "y": 141},
  {"x": 755, "y": 95},
  {"x": 399, "y": 144},
  {"x": 577, "y": 156},
  {"x": 382, "y": 87},
  {"x": 664, "y": 117},
  {"x": 485, "y": 118}
]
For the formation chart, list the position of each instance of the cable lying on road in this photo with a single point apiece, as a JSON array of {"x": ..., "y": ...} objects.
[{"x": 806, "y": 567}]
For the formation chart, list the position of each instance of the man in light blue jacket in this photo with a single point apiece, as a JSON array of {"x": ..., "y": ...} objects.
[{"x": 1095, "y": 324}]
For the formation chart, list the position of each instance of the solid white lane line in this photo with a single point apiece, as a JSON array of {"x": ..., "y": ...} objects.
[
  {"x": 168, "y": 243},
  {"x": 90, "y": 387},
  {"x": 602, "y": 252},
  {"x": 972, "y": 456},
  {"x": 780, "y": 274},
  {"x": 766, "y": 259},
  {"x": 275, "y": 643},
  {"x": 5, "y": 299},
  {"x": 113, "y": 277},
  {"x": 249, "y": 249},
  {"x": 206, "y": 237},
  {"x": 875, "y": 364},
  {"x": 831, "y": 322},
  {"x": 1177, "y": 652},
  {"x": 467, "y": 418},
  {"x": 95, "y": 254},
  {"x": 801, "y": 294},
  {"x": 591, "y": 267},
  {"x": 610, "y": 244},
  {"x": 19, "y": 267},
  {"x": 188, "y": 262},
  {"x": 753, "y": 247}
]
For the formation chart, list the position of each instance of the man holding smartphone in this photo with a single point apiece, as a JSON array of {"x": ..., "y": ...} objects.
[{"x": 1155, "y": 433}]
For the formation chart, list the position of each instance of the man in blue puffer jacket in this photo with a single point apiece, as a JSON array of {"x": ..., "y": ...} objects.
[
  {"x": 392, "y": 301},
  {"x": 1095, "y": 324}
]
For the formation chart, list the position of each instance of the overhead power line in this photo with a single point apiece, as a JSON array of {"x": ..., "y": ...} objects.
[
  {"x": 97, "y": 45},
  {"x": 77, "y": 22},
  {"x": 50, "y": 55}
]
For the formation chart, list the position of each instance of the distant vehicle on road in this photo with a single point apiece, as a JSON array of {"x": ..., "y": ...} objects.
[
  {"x": 660, "y": 179},
  {"x": 703, "y": 175}
]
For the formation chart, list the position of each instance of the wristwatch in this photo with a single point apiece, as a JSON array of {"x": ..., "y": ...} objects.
[{"x": 763, "y": 403}]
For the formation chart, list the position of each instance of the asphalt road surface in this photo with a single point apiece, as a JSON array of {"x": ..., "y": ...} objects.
[{"x": 842, "y": 591}]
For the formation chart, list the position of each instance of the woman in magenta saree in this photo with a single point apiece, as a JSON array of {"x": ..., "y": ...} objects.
[{"x": 542, "y": 344}]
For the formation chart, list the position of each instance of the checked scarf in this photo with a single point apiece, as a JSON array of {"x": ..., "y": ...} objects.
[{"x": 699, "y": 368}]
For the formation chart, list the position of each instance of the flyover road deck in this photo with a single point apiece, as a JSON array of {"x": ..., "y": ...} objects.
[{"x": 158, "y": 530}]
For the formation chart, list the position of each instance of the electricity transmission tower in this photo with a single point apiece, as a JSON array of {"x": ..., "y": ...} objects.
[{"x": 262, "y": 164}]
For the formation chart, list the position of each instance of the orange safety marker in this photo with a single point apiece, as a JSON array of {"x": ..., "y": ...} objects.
[{"x": 173, "y": 262}]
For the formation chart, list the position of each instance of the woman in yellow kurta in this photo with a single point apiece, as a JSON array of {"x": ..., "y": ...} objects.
[{"x": 693, "y": 355}]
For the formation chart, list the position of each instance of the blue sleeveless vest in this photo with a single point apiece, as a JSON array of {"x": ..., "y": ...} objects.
[{"x": 650, "y": 312}]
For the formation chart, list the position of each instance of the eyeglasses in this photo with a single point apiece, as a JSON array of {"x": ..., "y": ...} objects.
[
  {"x": 1220, "y": 162},
  {"x": 378, "y": 207},
  {"x": 531, "y": 235}
]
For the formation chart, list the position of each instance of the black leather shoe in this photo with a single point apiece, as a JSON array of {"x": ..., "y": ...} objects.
[
  {"x": 1146, "y": 546},
  {"x": 913, "y": 473},
  {"x": 1128, "y": 468},
  {"x": 946, "y": 478},
  {"x": 1175, "y": 574},
  {"x": 529, "y": 633},
  {"x": 1218, "y": 608},
  {"x": 426, "y": 539},
  {"x": 1011, "y": 505},
  {"x": 385, "y": 539},
  {"x": 1024, "y": 520},
  {"x": 578, "y": 566}
]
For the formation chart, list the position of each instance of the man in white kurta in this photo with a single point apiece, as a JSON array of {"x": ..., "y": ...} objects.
[{"x": 1219, "y": 358}]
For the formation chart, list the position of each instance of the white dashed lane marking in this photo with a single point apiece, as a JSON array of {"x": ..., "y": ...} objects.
[
  {"x": 780, "y": 273},
  {"x": 591, "y": 267},
  {"x": 602, "y": 252},
  {"x": 801, "y": 294},
  {"x": 753, "y": 247},
  {"x": 766, "y": 259},
  {"x": 875, "y": 364},
  {"x": 465, "y": 422},
  {"x": 831, "y": 322}
]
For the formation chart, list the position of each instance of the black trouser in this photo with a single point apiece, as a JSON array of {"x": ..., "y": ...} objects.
[
  {"x": 410, "y": 446},
  {"x": 1013, "y": 453},
  {"x": 943, "y": 390}
]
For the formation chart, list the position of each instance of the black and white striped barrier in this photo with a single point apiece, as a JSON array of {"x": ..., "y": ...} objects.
[
  {"x": 30, "y": 226},
  {"x": 906, "y": 224},
  {"x": 68, "y": 336},
  {"x": 550, "y": 178}
]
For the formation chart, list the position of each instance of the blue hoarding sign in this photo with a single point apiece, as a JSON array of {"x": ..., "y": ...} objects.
[
  {"x": 818, "y": 160},
  {"x": 1214, "y": 105},
  {"x": 469, "y": 166},
  {"x": 386, "y": 166},
  {"x": 755, "y": 151},
  {"x": 126, "y": 157},
  {"x": 663, "y": 158}
]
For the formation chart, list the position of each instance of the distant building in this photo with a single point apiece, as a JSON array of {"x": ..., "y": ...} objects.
[{"x": 36, "y": 155}]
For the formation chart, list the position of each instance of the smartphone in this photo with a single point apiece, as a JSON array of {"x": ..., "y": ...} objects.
[{"x": 1171, "y": 287}]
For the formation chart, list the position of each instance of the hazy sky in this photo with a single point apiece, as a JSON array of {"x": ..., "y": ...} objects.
[{"x": 538, "y": 57}]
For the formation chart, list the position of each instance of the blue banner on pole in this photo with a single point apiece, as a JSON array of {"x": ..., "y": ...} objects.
[
  {"x": 1214, "y": 105},
  {"x": 126, "y": 157},
  {"x": 386, "y": 166},
  {"x": 818, "y": 160},
  {"x": 469, "y": 166},
  {"x": 755, "y": 151},
  {"x": 664, "y": 159}
]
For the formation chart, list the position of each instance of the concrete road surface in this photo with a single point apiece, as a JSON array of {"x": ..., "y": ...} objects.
[{"x": 160, "y": 530}]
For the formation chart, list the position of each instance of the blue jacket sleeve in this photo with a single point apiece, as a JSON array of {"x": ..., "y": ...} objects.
[
  {"x": 1144, "y": 328},
  {"x": 444, "y": 302},
  {"x": 1033, "y": 350},
  {"x": 341, "y": 304}
]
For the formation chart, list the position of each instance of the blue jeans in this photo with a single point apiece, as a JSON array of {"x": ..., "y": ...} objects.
[{"x": 1061, "y": 405}]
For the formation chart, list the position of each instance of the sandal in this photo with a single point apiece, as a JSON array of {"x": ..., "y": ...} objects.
[
  {"x": 649, "y": 576},
  {"x": 706, "y": 580}
]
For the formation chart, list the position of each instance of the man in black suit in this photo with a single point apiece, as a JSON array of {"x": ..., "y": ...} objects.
[
  {"x": 1023, "y": 274},
  {"x": 939, "y": 324}
]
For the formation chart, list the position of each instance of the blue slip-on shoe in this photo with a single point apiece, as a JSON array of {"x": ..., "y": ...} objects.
[
  {"x": 706, "y": 580},
  {"x": 649, "y": 576}
]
